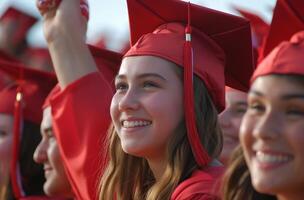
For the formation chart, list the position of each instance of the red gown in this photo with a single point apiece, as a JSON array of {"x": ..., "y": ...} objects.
[
  {"x": 81, "y": 117},
  {"x": 202, "y": 185}
]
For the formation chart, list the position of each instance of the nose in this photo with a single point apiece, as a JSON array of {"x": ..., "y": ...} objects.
[
  {"x": 40, "y": 154},
  {"x": 129, "y": 101},
  {"x": 268, "y": 126},
  {"x": 224, "y": 118}
]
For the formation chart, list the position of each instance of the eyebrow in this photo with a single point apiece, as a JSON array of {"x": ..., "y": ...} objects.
[
  {"x": 144, "y": 75},
  {"x": 241, "y": 103},
  {"x": 292, "y": 96},
  {"x": 283, "y": 97},
  {"x": 257, "y": 93}
]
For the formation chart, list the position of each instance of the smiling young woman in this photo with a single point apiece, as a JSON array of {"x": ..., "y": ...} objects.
[{"x": 271, "y": 133}]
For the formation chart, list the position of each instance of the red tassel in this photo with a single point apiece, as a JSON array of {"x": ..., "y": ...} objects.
[
  {"x": 201, "y": 156},
  {"x": 15, "y": 171}
]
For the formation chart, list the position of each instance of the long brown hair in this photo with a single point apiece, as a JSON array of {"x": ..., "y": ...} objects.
[
  {"x": 127, "y": 177},
  {"x": 236, "y": 183}
]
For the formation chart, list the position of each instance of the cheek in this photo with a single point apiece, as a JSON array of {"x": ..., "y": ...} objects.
[
  {"x": 165, "y": 107},
  {"x": 5, "y": 150},
  {"x": 245, "y": 134},
  {"x": 114, "y": 109},
  {"x": 54, "y": 157},
  {"x": 295, "y": 138}
]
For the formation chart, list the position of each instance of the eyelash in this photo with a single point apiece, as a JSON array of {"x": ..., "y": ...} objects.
[
  {"x": 146, "y": 84},
  {"x": 120, "y": 86},
  {"x": 257, "y": 107}
]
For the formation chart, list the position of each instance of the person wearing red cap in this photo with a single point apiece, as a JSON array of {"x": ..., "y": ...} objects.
[
  {"x": 15, "y": 25},
  {"x": 20, "y": 110},
  {"x": 271, "y": 160},
  {"x": 157, "y": 149},
  {"x": 230, "y": 120}
]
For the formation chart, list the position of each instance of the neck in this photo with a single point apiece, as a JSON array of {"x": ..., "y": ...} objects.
[{"x": 158, "y": 167}]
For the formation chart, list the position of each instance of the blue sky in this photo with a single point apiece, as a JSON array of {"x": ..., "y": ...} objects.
[{"x": 110, "y": 16}]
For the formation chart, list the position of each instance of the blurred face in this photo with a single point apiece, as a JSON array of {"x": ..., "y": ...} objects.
[
  {"x": 272, "y": 137},
  {"x": 230, "y": 121},
  {"x": 6, "y": 141},
  {"x": 147, "y": 106},
  {"x": 47, "y": 153}
]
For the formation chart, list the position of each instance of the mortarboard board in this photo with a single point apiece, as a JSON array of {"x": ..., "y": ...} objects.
[
  {"x": 288, "y": 18},
  {"x": 222, "y": 50},
  {"x": 286, "y": 58},
  {"x": 23, "y": 100},
  {"x": 258, "y": 25},
  {"x": 25, "y": 20}
]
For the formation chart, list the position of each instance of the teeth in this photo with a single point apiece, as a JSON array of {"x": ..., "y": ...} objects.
[
  {"x": 270, "y": 158},
  {"x": 131, "y": 124}
]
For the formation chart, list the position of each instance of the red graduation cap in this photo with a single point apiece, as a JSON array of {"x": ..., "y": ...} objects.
[
  {"x": 23, "y": 99},
  {"x": 220, "y": 43},
  {"x": 288, "y": 18},
  {"x": 286, "y": 58},
  {"x": 259, "y": 26},
  {"x": 25, "y": 20}
]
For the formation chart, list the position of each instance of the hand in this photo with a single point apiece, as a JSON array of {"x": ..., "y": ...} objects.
[{"x": 64, "y": 19}]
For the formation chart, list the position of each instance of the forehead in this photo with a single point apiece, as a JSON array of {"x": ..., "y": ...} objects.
[
  {"x": 235, "y": 96},
  {"x": 47, "y": 118},
  {"x": 146, "y": 64},
  {"x": 276, "y": 86}
]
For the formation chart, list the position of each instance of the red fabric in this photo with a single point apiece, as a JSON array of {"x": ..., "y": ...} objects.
[
  {"x": 202, "y": 185},
  {"x": 80, "y": 121},
  {"x": 288, "y": 18},
  {"x": 287, "y": 58}
]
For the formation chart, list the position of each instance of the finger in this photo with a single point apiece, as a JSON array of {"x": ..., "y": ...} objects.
[
  {"x": 84, "y": 7},
  {"x": 47, "y": 5}
]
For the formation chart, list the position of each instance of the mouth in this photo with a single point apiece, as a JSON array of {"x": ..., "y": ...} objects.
[
  {"x": 135, "y": 123},
  {"x": 271, "y": 158},
  {"x": 47, "y": 169}
]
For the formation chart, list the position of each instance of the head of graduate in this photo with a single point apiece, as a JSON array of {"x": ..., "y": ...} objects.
[
  {"x": 169, "y": 91},
  {"x": 20, "y": 116}
]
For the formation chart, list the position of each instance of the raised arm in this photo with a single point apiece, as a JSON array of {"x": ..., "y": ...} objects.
[{"x": 65, "y": 32}]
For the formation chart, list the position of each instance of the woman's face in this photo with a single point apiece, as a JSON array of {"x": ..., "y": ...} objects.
[
  {"x": 272, "y": 136},
  {"x": 230, "y": 121},
  {"x": 6, "y": 142},
  {"x": 147, "y": 106},
  {"x": 47, "y": 153}
]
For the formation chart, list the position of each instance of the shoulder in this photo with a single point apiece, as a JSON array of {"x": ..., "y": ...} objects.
[{"x": 203, "y": 184}]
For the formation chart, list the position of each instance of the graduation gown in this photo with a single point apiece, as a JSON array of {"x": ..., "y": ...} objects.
[
  {"x": 81, "y": 117},
  {"x": 202, "y": 185}
]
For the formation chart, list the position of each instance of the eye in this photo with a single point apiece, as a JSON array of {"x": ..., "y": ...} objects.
[
  {"x": 240, "y": 110},
  {"x": 150, "y": 84},
  {"x": 121, "y": 86},
  {"x": 297, "y": 112},
  {"x": 3, "y": 133},
  {"x": 256, "y": 107}
]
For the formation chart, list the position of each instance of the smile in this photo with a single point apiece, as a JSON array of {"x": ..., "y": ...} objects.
[
  {"x": 137, "y": 123},
  {"x": 272, "y": 158}
]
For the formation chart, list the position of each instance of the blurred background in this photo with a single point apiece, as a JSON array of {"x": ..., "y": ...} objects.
[{"x": 108, "y": 25}]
